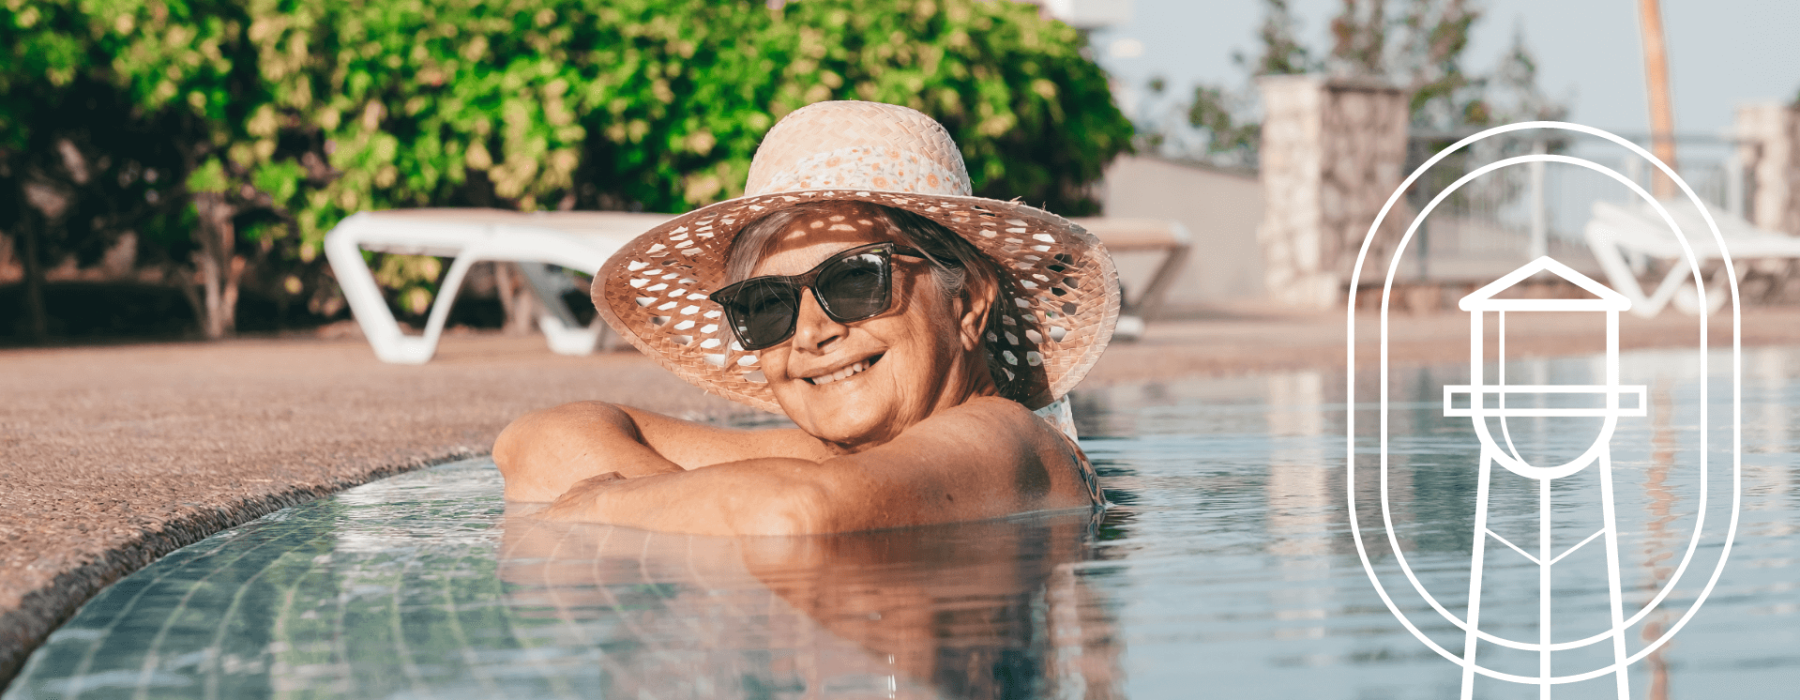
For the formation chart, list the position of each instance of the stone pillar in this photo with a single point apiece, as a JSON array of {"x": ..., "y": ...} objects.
[
  {"x": 1332, "y": 154},
  {"x": 1769, "y": 149}
]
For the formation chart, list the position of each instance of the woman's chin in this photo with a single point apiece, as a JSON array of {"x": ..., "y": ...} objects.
[
  {"x": 844, "y": 418},
  {"x": 848, "y": 428}
]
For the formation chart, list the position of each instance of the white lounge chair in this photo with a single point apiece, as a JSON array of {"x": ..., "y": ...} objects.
[
  {"x": 583, "y": 241},
  {"x": 576, "y": 240},
  {"x": 1625, "y": 239},
  {"x": 1164, "y": 236}
]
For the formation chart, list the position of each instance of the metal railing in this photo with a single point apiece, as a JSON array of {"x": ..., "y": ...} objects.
[{"x": 1519, "y": 213}]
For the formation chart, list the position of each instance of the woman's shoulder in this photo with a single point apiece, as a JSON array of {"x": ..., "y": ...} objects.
[
  {"x": 1044, "y": 440},
  {"x": 1007, "y": 425},
  {"x": 1015, "y": 413},
  {"x": 994, "y": 408}
]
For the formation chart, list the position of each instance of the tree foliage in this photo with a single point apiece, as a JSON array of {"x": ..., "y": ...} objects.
[
  {"x": 1282, "y": 53},
  {"x": 1359, "y": 38},
  {"x": 1421, "y": 48},
  {"x": 1034, "y": 118},
  {"x": 1215, "y": 123},
  {"x": 275, "y": 119}
]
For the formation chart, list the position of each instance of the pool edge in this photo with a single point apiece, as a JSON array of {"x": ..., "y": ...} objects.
[{"x": 41, "y": 611}]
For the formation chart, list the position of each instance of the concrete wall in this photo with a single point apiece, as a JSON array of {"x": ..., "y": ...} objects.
[
  {"x": 1332, "y": 154},
  {"x": 1769, "y": 147},
  {"x": 1220, "y": 208}
]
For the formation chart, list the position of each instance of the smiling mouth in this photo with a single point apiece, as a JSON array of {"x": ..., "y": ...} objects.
[{"x": 844, "y": 373}]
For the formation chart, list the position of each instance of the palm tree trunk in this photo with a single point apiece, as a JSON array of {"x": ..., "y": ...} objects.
[{"x": 1656, "y": 73}]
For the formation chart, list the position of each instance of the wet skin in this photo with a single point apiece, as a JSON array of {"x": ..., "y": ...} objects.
[{"x": 917, "y": 436}]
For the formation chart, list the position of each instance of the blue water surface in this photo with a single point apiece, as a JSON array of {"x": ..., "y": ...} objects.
[{"x": 1225, "y": 568}]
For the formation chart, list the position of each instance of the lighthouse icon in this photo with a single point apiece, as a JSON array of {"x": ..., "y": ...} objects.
[{"x": 1480, "y": 400}]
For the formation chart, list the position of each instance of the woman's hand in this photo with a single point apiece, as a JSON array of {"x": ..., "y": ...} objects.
[
  {"x": 752, "y": 497},
  {"x": 575, "y": 503},
  {"x": 543, "y": 453},
  {"x": 988, "y": 458}
]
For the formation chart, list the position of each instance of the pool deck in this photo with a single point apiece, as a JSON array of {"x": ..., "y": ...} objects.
[{"x": 114, "y": 456}]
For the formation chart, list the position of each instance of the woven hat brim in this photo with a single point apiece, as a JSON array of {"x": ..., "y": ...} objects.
[{"x": 1057, "y": 308}]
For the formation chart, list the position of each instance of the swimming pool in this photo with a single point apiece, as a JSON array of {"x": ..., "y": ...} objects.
[{"x": 1224, "y": 569}]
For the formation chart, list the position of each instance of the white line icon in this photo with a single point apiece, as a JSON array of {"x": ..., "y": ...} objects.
[
  {"x": 1479, "y": 304},
  {"x": 1480, "y": 400}
]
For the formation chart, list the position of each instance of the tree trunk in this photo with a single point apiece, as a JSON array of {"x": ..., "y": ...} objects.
[
  {"x": 219, "y": 266},
  {"x": 42, "y": 212},
  {"x": 37, "y": 322},
  {"x": 181, "y": 278},
  {"x": 1662, "y": 113},
  {"x": 516, "y": 299}
]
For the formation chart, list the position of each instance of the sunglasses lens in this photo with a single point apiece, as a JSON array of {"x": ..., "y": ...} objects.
[
  {"x": 855, "y": 287},
  {"x": 763, "y": 312}
]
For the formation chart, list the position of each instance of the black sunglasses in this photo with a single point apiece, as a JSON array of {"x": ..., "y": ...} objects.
[{"x": 854, "y": 285}]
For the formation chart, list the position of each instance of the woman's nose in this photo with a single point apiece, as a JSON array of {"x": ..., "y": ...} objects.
[{"x": 814, "y": 331}]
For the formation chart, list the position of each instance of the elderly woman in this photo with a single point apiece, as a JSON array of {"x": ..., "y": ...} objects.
[{"x": 906, "y": 328}]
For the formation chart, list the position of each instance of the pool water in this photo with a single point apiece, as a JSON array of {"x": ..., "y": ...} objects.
[{"x": 1225, "y": 568}]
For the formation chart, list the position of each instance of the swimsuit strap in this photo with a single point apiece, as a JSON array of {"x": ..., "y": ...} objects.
[
  {"x": 1089, "y": 478},
  {"x": 1057, "y": 415},
  {"x": 1062, "y": 419}
]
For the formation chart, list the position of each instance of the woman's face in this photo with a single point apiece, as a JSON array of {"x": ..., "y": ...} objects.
[{"x": 859, "y": 384}]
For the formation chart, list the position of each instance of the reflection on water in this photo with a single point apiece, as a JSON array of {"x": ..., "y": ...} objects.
[
  {"x": 1225, "y": 569},
  {"x": 423, "y": 586},
  {"x": 979, "y": 610}
]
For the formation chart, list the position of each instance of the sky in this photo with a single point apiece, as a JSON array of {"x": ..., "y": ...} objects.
[{"x": 1722, "y": 53}]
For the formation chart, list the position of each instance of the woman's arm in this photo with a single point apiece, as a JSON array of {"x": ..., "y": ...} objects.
[
  {"x": 987, "y": 458},
  {"x": 545, "y": 452}
]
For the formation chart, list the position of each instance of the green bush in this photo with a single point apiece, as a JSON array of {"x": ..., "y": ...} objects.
[{"x": 279, "y": 118}]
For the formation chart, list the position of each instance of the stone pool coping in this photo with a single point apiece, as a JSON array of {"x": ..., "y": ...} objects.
[{"x": 115, "y": 456}]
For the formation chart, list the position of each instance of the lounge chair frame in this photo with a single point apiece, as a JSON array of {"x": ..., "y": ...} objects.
[
  {"x": 583, "y": 241},
  {"x": 576, "y": 240},
  {"x": 1632, "y": 243}
]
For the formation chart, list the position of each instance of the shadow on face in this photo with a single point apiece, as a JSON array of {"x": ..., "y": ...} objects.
[{"x": 860, "y": 383}]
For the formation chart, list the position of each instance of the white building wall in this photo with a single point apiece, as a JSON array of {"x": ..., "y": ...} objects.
[{"x": 1220, "y": 208}]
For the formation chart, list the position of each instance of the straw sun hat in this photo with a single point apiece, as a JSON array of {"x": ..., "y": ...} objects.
[{"x": 1059, "y": 296}]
